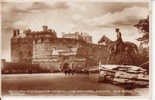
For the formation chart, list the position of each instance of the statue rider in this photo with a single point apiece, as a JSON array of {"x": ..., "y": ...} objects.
[
  {"x": 117, "y": 46},
  {"x": 119, "y": 41},
  {"x": 119, "y": 36}
]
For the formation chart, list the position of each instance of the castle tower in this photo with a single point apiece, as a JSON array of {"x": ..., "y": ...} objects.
[
  {"x": 17, "y": 31},
  {"x": 45, "y": 28},
  {"x": 14, "y": 33},
  {"x": 21, "y": 48},
  {"x": 3, "y": 61}
]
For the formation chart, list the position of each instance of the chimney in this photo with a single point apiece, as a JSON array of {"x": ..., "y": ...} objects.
[
  {"x": 26, "y": 32},
  {"x": 3, "y": 61},
  {"x": 45, "y": 28},
  {"x": 117, "y": 29},
  {"x": 49, "y": 30},
  {"x": 14, "y": 33},
  {"x": 17, "y": 31}
]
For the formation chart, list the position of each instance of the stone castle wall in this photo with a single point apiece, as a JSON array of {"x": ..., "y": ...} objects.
[
  {"x": 21, "y": 50},
  {"x": 22, "y": 46},
  {"x": 43, "y": 50},
  {"x": 39, "y": 51}
]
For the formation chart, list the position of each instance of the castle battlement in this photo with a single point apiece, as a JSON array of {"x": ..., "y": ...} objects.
[
  {"x": 35, "y": 34},
  {"x": 78, "y": 36}
]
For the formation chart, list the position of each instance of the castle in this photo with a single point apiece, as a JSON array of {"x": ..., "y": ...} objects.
[{"x": 47, "y": 50}]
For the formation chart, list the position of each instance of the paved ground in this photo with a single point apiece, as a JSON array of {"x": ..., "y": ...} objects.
[{"x": 58, "y": 84}]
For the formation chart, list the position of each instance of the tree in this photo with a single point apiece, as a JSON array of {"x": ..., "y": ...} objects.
[{"x": 143, "y": 27}]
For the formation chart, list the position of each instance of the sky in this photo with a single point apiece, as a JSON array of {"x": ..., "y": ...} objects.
[{"x": 95, "y": 18}]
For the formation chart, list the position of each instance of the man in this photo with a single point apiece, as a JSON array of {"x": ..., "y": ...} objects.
[
  {"x": 119, "y": 41},
  {"x": 119, "y": 36}
]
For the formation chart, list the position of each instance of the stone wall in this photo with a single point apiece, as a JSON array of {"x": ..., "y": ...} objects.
[
  {"x": 22, "y": 44},
  {"x": 42, "y": 53},
  {"x": 92, "y": 53},
  {"x": 21, "y": 50},
  {"x": 17, "y": 68},
  {"x": 56, "y": 63}
]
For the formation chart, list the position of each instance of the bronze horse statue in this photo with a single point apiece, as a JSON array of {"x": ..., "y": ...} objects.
[{"x": 120, "y": 52}]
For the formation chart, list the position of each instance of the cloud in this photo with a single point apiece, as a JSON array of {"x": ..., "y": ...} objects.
[
  {"x": 127, "y": 16},
  {"x": 43, "y": 6},
  {"x": 95, "y": 18},
  {"x": 12, "y": 12}
]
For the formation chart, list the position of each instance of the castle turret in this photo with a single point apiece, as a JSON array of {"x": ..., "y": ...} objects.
[
  {"x": 17, "y": 31},
  {"x": 14, "y": 33},
  {"x": 27, "y": 32},
  {"x": 3, "y": 61},
  {"x": 45, "y": 28}
]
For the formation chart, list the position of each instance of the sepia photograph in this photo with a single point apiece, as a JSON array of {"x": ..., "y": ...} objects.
[{"x": 75, "y": 48}]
